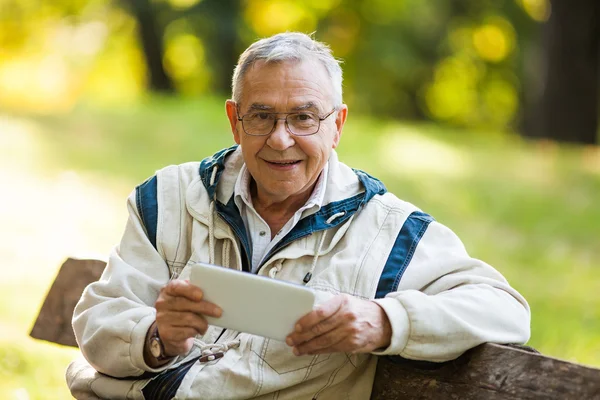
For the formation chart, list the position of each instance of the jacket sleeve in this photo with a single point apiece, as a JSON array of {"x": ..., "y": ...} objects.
[
  {"x": 113, "y": 315},
  {"x": 448, "y": 302}
]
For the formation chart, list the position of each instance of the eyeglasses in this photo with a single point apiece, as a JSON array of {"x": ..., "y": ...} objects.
[{"x": 298, "y": 123}]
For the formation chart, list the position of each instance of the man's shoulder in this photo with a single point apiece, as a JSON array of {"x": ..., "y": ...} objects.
[
  {"x": 182, "y": 173},
  {"x": 187, "y": 172},
  {"x": 390, "y": 203}
]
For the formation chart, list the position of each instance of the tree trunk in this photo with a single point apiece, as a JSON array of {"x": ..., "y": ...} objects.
[
  {"x": 568, "y": 108},
  {"x": 221, "y": 39},
  {"x": 151, "y": 37}
]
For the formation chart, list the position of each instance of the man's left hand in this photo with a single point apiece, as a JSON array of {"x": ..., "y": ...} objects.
[{"x": 343, "y": 324}]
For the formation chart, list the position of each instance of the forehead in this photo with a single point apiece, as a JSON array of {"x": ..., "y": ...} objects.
[{"x": 286, "y": 85}]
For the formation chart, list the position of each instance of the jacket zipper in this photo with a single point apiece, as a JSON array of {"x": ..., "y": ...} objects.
[
  {"x": 220, "y": 334},
  {"x": 276, "y": 249}
]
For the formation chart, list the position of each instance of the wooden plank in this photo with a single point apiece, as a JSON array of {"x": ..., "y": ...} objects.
[
  {"x": 489, "y": 371},
  {"x": 54, "y": 320}
]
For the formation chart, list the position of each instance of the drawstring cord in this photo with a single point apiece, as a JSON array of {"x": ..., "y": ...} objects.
[
  {"x": 211, "y": 221},
  {"x": 211, "y": 231},
  {"x": 225, "y": 253},
  {"x": 275, "y": 270},
  {"x": 211, "y": 234},
  {"x": 308, "y": 275},
  {"x": 213, "y": 351}
]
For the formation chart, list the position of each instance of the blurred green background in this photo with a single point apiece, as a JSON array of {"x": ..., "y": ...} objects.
[{"x": 483, "y": 113}]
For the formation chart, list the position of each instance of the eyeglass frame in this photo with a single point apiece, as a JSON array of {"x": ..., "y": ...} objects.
[{"x": 287, "y": 127}]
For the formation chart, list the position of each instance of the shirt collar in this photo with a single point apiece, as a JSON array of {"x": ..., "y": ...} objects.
[{"x": 314, "y": 203}]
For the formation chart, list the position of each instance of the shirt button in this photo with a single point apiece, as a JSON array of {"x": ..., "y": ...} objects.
[{"x": 262, "y": 233}]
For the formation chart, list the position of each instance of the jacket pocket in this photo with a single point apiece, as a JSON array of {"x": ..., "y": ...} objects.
[{"x": 279, "y": 357}]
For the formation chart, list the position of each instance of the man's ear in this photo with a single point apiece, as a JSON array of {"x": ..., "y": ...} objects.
[
  {"x": 340, "y": 120},
  {"x": 231, "y": 109}
]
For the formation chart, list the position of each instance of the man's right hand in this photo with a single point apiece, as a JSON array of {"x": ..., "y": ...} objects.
[{"x": 179, "y": 316}]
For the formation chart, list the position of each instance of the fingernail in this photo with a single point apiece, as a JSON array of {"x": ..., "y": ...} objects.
[
  {"x": 298, "y": 328},
  {"x": 296, "y": 351},
  {"x": 218, "y": 312},
  {"x": 289, "y": 342}
]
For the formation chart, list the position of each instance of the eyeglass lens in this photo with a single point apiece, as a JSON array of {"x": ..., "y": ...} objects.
[{"x": 263, "y": 123}]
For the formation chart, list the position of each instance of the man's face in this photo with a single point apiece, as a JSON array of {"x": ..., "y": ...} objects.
[{"x": 285, "y": 166}]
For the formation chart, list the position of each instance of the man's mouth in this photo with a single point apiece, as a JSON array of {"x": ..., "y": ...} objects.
[{"x": 286, "y": 162}]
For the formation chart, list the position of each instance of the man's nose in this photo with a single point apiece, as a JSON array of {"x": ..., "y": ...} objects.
[{"x": 281, "y": 138}]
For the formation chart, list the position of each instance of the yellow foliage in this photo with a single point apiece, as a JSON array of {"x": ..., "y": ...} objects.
[
  {"x": 271, "y": 17},
  {"x": 118, "y": 74},
  {"x": 465, "y": 92},
  {"x": 183, "y": 55},
  {"x": 66, "y": 59},
  {"x": 183, "y": 4},
  {"x": 501, "y": 101},
  {"x": 184, "y": 61},
  {"x": 322, "y": 5},
  {"x": 383, "y": 12},
  {"x": 452, "y": 95},
  {"x": 460, "y": 37},
  {"x": 538, "y": 10},
  {"x": 127, "y": 73},
  {"x": 342, "y": 34},
  {"x": 37, "y": 82},
  {"x": 494, "y": 40}
]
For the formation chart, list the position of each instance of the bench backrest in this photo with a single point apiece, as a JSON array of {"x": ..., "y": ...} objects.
[{"x": 489, "y": 371}]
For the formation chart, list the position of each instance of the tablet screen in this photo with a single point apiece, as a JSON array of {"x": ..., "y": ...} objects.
[{"x": 251, "y": 303}]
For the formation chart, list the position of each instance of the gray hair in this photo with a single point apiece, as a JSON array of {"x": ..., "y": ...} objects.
[{"x": 289, "y": 46}]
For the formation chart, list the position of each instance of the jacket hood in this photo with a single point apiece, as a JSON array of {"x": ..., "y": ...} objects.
[{"x": 344, "y": 184}]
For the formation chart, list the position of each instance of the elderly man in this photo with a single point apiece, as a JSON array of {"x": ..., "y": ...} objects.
[{"x": 389, "y": 279}]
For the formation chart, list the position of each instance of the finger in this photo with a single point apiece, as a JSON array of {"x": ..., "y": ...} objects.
[
  {"x": 183, "y": 304},
  {"x": 338, "y": 348},
  {"x": 178, "y": 347},
  {"x": 316, "y": 330},
  {"x": 321, "y": 313},
  {"x": 177, "y": 319},
  {"x": 328, "y": 342},
  {"x": 180, "y": 288},
  {"x": 178, "y": 334}
]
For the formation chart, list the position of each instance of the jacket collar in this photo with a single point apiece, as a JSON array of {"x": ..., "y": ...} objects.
[{"x": 347, "y": 191}]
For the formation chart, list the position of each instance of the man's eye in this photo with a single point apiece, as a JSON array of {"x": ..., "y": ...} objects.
[
  {"x": 262, "y": 116},
  {"x": 302, "y": 117},
  {"x": 257, "y": 116}
]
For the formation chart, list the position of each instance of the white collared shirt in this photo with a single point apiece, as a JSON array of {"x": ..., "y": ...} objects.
[{"x": 258, "y": 230}]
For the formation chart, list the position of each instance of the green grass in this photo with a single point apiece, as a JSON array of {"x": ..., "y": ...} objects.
[{"x": 528, "y": 209}]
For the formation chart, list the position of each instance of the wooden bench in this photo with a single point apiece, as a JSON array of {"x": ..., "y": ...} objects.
[{"x": 489, "y": 371}]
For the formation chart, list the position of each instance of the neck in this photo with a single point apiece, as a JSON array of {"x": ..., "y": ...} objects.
[{"x": 276, "y": 212}]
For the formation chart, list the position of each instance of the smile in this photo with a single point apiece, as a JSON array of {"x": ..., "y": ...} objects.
[
  {"x": 283, "y": 165},
  {"x": 283, "y": 162}
]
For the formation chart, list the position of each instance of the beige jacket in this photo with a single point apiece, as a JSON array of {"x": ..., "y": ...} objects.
[{"x": 364, "y": 242}]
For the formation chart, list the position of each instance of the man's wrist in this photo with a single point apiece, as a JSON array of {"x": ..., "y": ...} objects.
[
  {"x": 154, "y": 359},
  {"x": 385, "y": 331}
]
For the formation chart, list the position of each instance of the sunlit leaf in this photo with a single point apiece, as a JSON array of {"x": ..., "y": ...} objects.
[
  {"x": 538, "y": 10},
  {"x": 494, "y": 40},
  {"x": 270, "y": 17}
]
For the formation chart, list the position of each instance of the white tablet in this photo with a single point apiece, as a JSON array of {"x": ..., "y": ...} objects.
[{"x": 251, "y": 303}]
